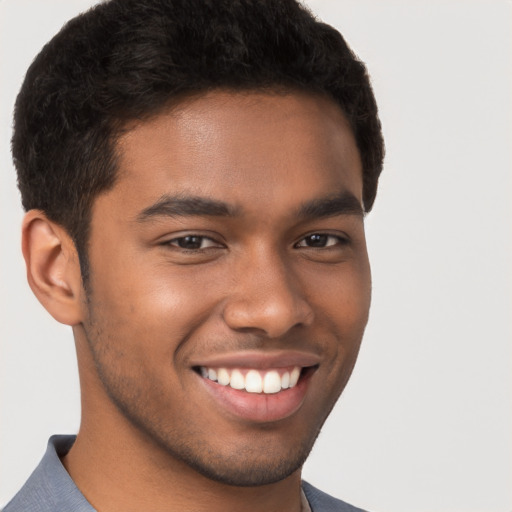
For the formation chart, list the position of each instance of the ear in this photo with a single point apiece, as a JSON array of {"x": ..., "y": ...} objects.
[{"x": 53, "y": 269}]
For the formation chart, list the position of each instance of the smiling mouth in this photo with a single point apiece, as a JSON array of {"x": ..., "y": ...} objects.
[{"x": 251, "y": 380}]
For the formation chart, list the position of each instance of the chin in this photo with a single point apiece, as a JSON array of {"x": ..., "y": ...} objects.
[{"x": 248, "y": 469}]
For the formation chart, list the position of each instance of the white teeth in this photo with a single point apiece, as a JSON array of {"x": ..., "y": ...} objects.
[
  {"x": 285, "y": 380},
  {"x": 294, "y": 376},
  {"x": 271, "y": 382},
  {"x": 237, "y": 380},
  {"x": 223, "y": 376},
  {"x": 255, "y": 381}
]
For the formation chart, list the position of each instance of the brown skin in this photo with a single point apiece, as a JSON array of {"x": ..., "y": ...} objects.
[{"x": 151, "y": 438}]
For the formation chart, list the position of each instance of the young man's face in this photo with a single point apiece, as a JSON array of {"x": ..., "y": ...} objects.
[{"x": 232, "y": 244}]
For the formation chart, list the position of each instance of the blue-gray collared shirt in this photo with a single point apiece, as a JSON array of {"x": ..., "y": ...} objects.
[{"x": 51, "y": 489}]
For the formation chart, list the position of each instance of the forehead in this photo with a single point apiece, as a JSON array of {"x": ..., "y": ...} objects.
[{"x": 243, "y": 147}]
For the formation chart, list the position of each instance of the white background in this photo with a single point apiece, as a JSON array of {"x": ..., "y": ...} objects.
[{"x": 425, "y": 424}]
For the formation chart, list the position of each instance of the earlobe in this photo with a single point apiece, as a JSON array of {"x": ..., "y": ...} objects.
[{"x": 53, "y": 270}]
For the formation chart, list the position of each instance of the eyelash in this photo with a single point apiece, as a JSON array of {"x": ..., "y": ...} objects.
[
  {"x": 175, "y": 242},
  {"x": 314, "y": 237},
  {"x": 339, "y": 240}
]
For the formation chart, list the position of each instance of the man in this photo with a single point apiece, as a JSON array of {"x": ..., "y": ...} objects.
[{"x": 195, "y": 176}]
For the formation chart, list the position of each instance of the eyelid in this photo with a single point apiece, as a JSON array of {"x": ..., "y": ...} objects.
[
  {"x": 215, "y": 242},
  {"x": 209, "y": 241},
  {"x": 342, "y": 239}
]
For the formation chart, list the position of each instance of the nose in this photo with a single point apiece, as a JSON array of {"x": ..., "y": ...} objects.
[{"x": 267, "y": 299}]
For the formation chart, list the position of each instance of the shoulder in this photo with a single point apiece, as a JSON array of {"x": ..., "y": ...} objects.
[
  {"x": 50, "y": 488},
  {"x": 322, "y": 502}
]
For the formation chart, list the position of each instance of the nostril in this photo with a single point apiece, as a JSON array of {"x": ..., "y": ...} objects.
[{"x": 272, "y": 316}]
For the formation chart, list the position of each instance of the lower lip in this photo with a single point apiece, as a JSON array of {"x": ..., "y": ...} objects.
[{"x": 258, "y": 407}]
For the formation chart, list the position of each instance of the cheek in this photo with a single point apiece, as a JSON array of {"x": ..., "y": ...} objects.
[
  {"x": 343, "y": 294},
  {"x": 342, "y": 304},
  {"x": 151, "y": 310}
]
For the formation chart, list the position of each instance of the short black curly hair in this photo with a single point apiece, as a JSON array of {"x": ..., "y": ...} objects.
[{"x": 129, "y": 59}]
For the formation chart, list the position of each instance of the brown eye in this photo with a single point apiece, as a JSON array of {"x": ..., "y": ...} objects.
[
  {"x": 316, "y": 240},
  {"x": 193, "y": 242},
  {"x": 321, "y": 240}
]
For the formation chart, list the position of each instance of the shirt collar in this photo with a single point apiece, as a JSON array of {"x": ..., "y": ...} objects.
[{"x": 50, "y": 487}]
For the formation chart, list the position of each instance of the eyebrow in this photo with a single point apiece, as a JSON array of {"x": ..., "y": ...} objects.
[
  {"x": 185, "y": 206},
  {"x": 344, "y": 203},
  {"x": 188, "y": 206}
]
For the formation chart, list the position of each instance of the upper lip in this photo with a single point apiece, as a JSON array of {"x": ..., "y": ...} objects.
[{"x": 259, "y": 360}]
